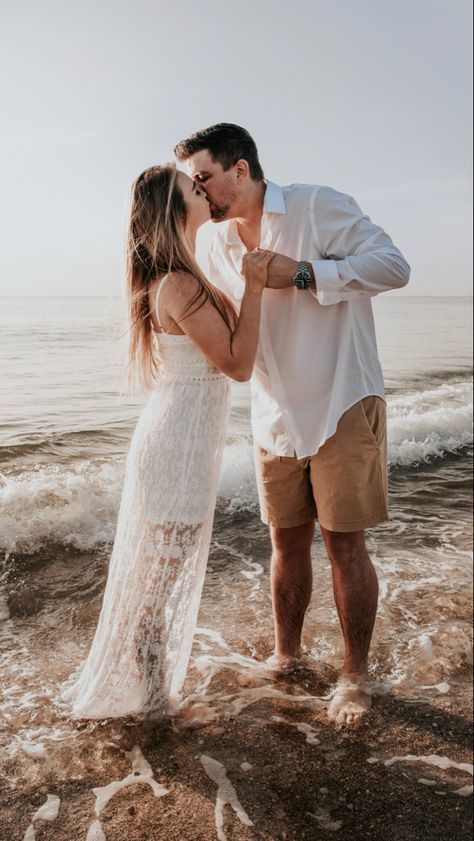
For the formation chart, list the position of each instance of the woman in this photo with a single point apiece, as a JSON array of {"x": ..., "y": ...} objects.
[{"x": 185, "y": 341}]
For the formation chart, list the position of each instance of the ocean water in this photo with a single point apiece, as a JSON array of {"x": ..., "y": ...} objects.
[{"x": 66, "y": 420}]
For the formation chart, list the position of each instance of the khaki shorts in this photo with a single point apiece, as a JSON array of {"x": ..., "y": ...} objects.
[{"x": 344, "y": 486}]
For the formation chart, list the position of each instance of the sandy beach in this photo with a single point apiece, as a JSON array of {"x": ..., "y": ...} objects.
[
  {"x": 261, "y": 762},
  {"x": 278, "y": 771}
]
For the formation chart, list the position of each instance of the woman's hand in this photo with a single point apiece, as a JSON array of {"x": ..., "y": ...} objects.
[
  {"x": 255, "y": 268},
  {"x": 282, "y": 270}
]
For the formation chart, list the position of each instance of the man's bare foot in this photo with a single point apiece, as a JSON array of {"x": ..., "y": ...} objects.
[
  {"x": 274, "y": 667},
  {"x": 280, "y": 665},
  {"x": 351, "y": 701}
]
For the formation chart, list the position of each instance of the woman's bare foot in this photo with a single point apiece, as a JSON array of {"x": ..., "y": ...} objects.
[
  {"x": 351, "y": 700},
  {"x": 192, "y": 716}
]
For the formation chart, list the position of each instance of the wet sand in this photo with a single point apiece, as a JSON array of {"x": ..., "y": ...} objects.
[
  {"x": 284, "y": 773},
  {"x": 267, "y": 765}
]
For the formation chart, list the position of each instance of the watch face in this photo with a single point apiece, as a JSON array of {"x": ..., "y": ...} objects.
[{"x": 302, "y": 277}]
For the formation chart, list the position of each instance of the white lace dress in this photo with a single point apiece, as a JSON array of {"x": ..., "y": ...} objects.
[{"x": 140, "y": 652}]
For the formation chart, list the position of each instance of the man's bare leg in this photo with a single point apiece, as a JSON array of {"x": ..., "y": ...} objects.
[
  {"x": 356, "y": 596},
  {"x": 291, "y": 585}
]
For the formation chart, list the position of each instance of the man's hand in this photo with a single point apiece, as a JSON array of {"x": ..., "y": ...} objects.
[
  {"x": 255, "y": 268},
  {"x": 281, "y": 271}
]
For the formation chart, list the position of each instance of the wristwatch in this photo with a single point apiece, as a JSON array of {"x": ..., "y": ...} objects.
[{"x": 303, "y": 277}]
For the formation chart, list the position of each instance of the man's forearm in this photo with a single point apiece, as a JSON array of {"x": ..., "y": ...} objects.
[{"x": 282, "y": 270}]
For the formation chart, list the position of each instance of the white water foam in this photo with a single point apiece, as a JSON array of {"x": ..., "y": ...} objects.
[
  {"x": 95, "y": 832},
  {"x": 76, "y": 505},
  {"x": 465, "y": 791},
  {"x": 442, "y": 762},
  {"x": 226, "y": 794},
  {"x": 142, "y": 772},
  {"x": 248, "y": 697},
  {"x": 302, "y": 727},
  {"x": 47, "y": 812},
  {"x": 237, "y": 483},
  {"x": 429, "y": 424},
  {"x": 4, "y": 611}
]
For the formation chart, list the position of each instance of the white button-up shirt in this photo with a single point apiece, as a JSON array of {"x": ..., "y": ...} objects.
[{"x": 317, "y": 354}]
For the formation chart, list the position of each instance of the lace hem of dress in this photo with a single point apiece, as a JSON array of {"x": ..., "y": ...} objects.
[{"x": 139, "y": 656}]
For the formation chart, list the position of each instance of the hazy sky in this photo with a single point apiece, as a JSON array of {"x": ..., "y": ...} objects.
[{"x": 372, "y": 97}]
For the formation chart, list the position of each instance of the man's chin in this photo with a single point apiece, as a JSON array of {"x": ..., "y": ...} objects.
[{"x": 219, "y": 214}]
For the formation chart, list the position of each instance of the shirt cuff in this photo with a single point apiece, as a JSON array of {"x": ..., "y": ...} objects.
[{"x": 327, "y": 282}]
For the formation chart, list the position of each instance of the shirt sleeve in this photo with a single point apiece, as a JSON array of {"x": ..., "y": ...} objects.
[{"x": 359, "y": 258}]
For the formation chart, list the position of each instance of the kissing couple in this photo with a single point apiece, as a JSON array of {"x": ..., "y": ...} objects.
[{"x": 287, "y": 302}]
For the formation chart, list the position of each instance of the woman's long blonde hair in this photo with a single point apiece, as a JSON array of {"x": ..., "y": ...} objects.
[{"x": 156, "y": 245}]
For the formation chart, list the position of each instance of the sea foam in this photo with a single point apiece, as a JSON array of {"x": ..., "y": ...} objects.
[
  {"x": 76, "y": 504},
  {"x": 429, "y": 424}
]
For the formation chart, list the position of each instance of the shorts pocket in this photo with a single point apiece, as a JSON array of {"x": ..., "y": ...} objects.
[{"x": 372, "y": 409}]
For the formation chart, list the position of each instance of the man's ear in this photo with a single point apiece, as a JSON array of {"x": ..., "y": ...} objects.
[{"x": 242, "y": 169}]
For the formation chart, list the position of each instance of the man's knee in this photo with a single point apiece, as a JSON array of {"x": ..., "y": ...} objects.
[
  {"x": 345, "y": 548},
  {"x": 292, "y": 541}
]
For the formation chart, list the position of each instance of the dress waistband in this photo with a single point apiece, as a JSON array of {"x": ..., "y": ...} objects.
[{"x": 190, "y": 377}]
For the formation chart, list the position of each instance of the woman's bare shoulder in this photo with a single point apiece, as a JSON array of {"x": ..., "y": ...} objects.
[{"x": 181, "y": 284}]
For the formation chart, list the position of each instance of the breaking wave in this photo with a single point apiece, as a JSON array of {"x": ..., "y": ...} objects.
[{"x": 76, "y": 503}]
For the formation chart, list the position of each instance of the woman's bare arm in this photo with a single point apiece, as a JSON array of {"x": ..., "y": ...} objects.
[{"x": 231, "y": 351}]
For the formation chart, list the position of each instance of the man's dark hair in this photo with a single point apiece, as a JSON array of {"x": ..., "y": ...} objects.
[{"x": 226, "y": 144}]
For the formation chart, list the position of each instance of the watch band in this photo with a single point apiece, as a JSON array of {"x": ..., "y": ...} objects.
[{"x": 302, "y": 279}]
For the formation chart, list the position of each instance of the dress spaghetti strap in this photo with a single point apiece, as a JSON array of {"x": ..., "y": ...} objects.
[{"x": 157, "y": 298}]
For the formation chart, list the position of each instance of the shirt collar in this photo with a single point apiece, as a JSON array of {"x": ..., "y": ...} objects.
[{"x": 273, "y": 202}]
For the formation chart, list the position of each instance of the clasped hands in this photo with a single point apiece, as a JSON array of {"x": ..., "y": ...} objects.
[{"x": 280, "y": 270}]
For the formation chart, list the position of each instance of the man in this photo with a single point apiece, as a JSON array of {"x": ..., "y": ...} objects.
[{"x": 318, "y": 409}]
